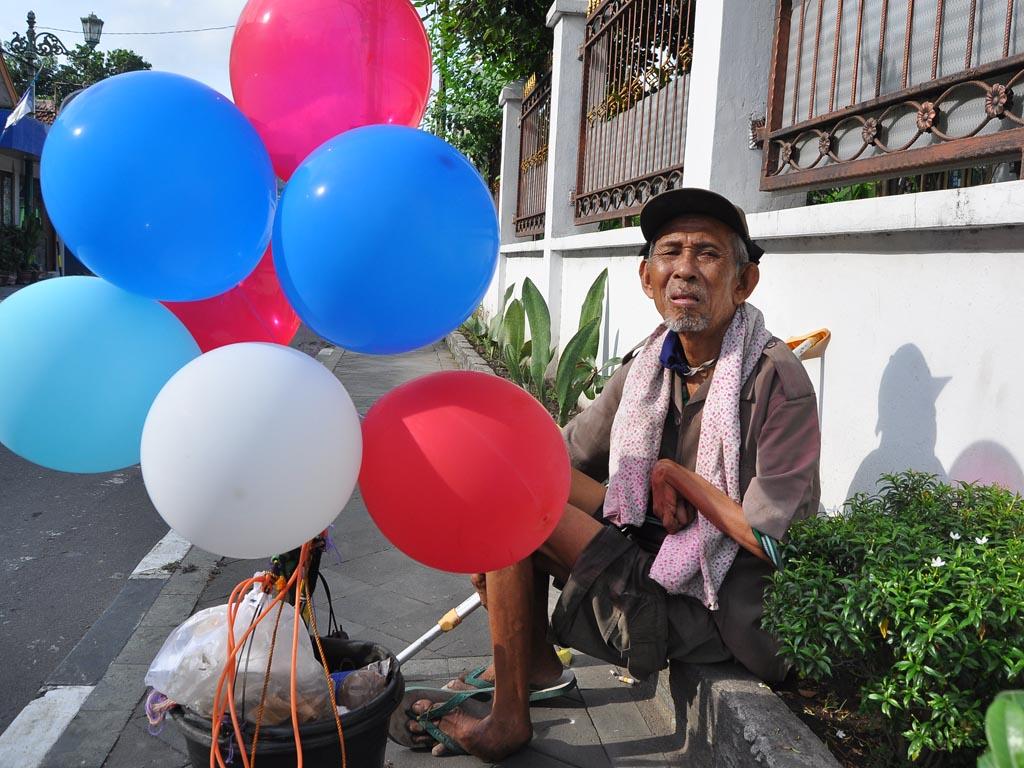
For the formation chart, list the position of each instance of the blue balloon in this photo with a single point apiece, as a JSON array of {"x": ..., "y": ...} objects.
[
  {"x": 159, "y": 185},
  {"x": 385, "y": 239},
  {"x": 81, "y": 361}
]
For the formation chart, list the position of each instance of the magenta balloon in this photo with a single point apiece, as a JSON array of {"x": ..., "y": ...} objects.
[{"x": 304, "y": 71}]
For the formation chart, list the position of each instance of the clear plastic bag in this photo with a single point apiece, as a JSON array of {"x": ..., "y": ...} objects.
[{"x": 189, "y": 664}]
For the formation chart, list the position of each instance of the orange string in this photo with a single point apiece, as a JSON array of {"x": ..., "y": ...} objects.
[{"x": 226, "y": 699}]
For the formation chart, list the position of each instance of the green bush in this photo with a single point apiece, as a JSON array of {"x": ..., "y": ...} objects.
[{"x": 916, "y": 594}]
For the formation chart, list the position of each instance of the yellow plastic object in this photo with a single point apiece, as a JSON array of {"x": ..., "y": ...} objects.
[
  {"x": 565, "y": 656},
  {"x": 810, "y": 345},
  {"x": 449, "y": 621}
]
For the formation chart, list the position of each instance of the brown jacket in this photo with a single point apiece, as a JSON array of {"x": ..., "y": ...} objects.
[{"x": 778, "y": 478}]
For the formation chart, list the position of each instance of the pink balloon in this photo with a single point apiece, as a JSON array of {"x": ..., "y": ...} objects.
[
  {"x": 254, "y": 310},
  {"x": 304, "y": 71}
]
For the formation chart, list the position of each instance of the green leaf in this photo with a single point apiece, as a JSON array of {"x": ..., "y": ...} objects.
[
  {"x": 540, "y": 333},
  {"x": 496, "y": 330},
  {"x": 1004, "y": 728},
  {"x": 570, "y": 379},
  {"x": 515, "y": 330},
  {"x": 593, "y": 304}
]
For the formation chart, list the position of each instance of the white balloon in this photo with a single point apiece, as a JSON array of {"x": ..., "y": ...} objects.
[{"x": 251, "y": 450}]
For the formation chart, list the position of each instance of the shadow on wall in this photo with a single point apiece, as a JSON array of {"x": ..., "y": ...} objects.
[
  {"x": 986, "y": 463},
  {"x": 906, "y": 421},
  {"x": 907, "y": 425}
]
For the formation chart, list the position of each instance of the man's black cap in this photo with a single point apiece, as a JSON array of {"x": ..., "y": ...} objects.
[{"x": 660, "y": 210}]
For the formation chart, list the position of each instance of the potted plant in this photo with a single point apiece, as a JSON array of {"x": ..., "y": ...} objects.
[
  {"x": 26, "y": 242},
  {"x": 9, "y": 254}
]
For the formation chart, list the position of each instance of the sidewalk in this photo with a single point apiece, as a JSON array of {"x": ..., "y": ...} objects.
[{"x": 380, "y": 595}]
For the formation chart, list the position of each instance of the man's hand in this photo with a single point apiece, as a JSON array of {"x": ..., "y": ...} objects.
[
  {"x": 673, "y": 509},
  {"x": 479, "y": 581}
]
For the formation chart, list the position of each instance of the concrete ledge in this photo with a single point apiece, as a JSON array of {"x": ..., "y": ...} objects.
[
  {"x": 465, "y": 355},
  {"x": 725, "y": 716},
  {"x": 729, "y": 718}
]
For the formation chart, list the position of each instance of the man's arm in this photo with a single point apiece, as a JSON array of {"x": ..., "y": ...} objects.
[{"x": 677, "y": 491}]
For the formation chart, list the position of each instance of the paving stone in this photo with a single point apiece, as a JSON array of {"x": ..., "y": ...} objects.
[
  {"x": 377, "y": 608},
  {"x": 143, "y": 646},
  {"x": 137, "y": 748},
  {"x": 88, "y": 740},
  {"x": 168, "y": 610},
  {"x": 122, "y": 687},
  {"x": 378, "y": 569}
]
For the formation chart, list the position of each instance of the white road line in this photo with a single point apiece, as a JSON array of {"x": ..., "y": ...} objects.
[
  {"x": 170, "y": 549},
  {"x": 38, "y": 726}
]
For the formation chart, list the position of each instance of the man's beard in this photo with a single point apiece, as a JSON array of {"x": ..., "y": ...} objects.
[{"x": 687, "y": 323}]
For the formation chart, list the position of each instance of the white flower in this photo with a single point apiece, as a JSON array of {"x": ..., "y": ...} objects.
[
  {"x": 840, "y": 733},
  {"x": 983, "y": 540},
  {"x": 938, "y": 562},
  {"x": 954, "y": 536}
]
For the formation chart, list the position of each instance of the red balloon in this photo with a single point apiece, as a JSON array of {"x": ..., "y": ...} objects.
[
  {"x": 463, "y": 471},
  {"x": 254, "y": 310},
  {"x": 304, "y": 71}
]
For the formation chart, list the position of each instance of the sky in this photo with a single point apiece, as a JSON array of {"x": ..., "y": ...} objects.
[{"x": 199, "y": 55}]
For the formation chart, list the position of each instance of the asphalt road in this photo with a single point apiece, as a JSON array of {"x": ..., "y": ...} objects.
[{"x": 67, "y": 545}]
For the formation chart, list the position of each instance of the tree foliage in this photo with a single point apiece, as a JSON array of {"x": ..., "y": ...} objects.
[
  {"x": 81, "y": 67},
  {"x": 480, "y": 46}
]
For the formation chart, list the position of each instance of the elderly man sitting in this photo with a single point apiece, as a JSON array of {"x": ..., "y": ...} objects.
[{"x": 708, "y": 437}]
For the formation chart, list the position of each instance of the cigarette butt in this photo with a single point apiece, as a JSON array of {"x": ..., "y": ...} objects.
[{"x": 623, "y": 678}]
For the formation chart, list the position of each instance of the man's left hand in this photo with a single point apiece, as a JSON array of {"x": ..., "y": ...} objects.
[{"x": 673, "y": 509}]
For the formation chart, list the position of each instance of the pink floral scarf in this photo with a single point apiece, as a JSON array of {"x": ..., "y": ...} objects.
[{"x": 695, "y": 560}]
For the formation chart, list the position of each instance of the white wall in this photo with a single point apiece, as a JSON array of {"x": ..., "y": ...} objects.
[{"x": 922, "y": 367}]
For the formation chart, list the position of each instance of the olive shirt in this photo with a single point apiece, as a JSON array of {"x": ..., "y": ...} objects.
[{"x": 779, "y": 453}]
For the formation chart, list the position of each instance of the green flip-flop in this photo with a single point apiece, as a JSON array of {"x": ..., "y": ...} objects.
[
  {"x": 445, "y": 701},
  {"x": 565, "y": 683}
]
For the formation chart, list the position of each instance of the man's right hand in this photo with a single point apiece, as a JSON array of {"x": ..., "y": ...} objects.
[{"x": 479, "y": 581}]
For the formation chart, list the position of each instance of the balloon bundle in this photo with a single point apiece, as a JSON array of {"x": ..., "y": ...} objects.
[{"x": 383, "y": 240}]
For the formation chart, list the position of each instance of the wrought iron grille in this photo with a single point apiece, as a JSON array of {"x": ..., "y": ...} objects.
[
  {"x": 533, "y": 156},
  {"x": 636, "y": 64},
  {"x": 864, "y": 89}
]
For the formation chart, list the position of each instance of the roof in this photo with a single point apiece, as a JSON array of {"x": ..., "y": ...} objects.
[
  {"x": 8, "y": 96},
  {"x": 27, "y": 135},
  {"x": 46, "y": 111}
]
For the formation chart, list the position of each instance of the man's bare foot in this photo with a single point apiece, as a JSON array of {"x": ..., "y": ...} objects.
[{"x": 487, "y": 738}]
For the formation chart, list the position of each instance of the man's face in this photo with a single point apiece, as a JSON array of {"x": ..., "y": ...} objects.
[{"x": 691, "y": 275}]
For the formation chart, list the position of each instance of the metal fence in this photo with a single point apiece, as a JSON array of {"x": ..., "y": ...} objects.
[
  {"x": 533, "y": 156},
  {"x": 636, "y": 64},
  {"x": 868, "y": 89}
]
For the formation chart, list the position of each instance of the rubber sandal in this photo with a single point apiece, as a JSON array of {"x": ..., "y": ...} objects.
[
  {"x": 565, "y": 683},
  {"x": 560, "y": 687},
  {"x": 473, "y": 678},
  {"x": 445, "y": 701}
]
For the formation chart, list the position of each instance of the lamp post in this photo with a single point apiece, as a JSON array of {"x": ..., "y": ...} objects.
[
  {"x": 28, "y": 49},
  {"x": 33, "y": 45}
]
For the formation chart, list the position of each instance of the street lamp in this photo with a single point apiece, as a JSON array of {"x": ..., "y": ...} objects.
[{"x": 48, "y": 44}]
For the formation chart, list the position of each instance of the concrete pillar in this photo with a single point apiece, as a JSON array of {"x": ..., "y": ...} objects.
[
  {"x": 567, "y": 18},
  {"x": 732, "y": 54},
  {"x": 511, "y": 103}
]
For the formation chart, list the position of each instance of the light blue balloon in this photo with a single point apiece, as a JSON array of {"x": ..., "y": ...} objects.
[
  {"x": 385, "y": 239},
  {"x": 160, "y": 185},
  {"x": 81, "y": 361}
]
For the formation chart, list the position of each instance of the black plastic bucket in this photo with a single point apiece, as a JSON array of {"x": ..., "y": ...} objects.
[{"x": 365, "y": 729}]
